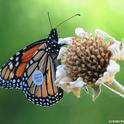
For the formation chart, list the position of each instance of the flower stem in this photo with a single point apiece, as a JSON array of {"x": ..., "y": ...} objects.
[{"x": 115, "y": 87}]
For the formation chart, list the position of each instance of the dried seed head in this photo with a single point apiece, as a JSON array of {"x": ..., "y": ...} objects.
[{"x": 87, "y": 58}]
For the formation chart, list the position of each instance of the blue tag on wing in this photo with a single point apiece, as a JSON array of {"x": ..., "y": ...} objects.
[{"x": 37, "y": 77}]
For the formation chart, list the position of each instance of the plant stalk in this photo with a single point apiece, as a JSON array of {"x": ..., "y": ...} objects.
[{"x": 115, "y": 87}]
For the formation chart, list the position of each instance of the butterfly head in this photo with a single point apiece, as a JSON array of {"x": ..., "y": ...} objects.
[
  {"x": 52, "y": 40},
  {"x": 53, "y": 35}
]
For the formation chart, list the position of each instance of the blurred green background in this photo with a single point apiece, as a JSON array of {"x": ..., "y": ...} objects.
[{"x": 25, "y": 21}]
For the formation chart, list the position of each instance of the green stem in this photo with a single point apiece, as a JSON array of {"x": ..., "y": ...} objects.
[{"x": 115, "y": 87}]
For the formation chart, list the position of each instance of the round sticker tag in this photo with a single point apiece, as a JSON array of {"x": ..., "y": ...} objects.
[{"x": 37, "y": 77}]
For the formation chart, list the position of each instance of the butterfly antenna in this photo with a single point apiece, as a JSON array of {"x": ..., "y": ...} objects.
[
  {"x": 50, "y": 20},
  {"x": 68, "y": 19}
]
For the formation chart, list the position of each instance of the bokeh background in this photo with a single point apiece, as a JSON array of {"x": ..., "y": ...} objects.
[{"x": 25, "y": 21}]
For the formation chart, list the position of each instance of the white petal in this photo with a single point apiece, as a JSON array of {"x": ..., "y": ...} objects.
[
  {"x": 80, "y": 32},
  {"x": 64, "y": 84},
  {"x": 68, "y": 85},
  {"x": 60, "y": 73},
  {"x": 68, "y": 40},
  {"x": 122, "y": 51},
  {"x": 109, "y": 75},
  {"x": 113, "y": 67},
  {"x": 103, "y": 34},
  {"x": 62, "y": 50},
  {"x": 115, "y": 49},
  {"x": 78, "y": 83}
]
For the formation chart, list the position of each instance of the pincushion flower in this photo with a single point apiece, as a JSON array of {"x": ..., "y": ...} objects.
[{"x": 89, "y": 62}]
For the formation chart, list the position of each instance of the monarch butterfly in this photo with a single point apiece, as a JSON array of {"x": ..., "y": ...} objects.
[{"x": 33, "y": 70}]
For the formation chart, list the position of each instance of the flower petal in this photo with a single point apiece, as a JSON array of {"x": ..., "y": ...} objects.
[
  {"x": 61, "y": 52},
  {"x": 103, "y": 35},
  {"x": 80, "y": 32},
  {"x": 64, "y": 84},
  {"x": 68, "y": 40},
  {"x": 76, "y": 92},
  {"x": 109, "y": 75},
  {"x": 115, "y": 49},
  {"x": 60, "y": 73}
]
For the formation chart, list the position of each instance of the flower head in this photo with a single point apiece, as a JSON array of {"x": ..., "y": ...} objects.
[
  {"x": 90, "y": 61},
  {"x": 87, "y": 59}
]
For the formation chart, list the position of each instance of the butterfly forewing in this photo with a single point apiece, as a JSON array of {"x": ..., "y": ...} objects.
[{"x": 11, "y": 73}]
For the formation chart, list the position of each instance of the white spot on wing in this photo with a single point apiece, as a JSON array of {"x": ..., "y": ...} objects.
[
  {"x": 11, "y": 58},
  {"x": 17, "y": 64},
  {"x": 31, "y": 62},
  {"x": 11, "y": 66},
  {"x": 17, "y": 58},
  {"x": 17, "y": 53},
  {"x": 11, "y": 75}
]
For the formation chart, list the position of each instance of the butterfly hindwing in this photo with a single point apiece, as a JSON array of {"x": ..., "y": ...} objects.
[{"x": 46, "y": 93}]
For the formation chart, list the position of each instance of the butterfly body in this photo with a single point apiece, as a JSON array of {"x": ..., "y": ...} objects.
[
  {"x": 52, "y": 43},
  {"x": 32, "y": 69}
]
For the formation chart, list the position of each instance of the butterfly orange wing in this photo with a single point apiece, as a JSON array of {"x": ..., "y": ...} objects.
[{"x": 13, "y": 70}]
